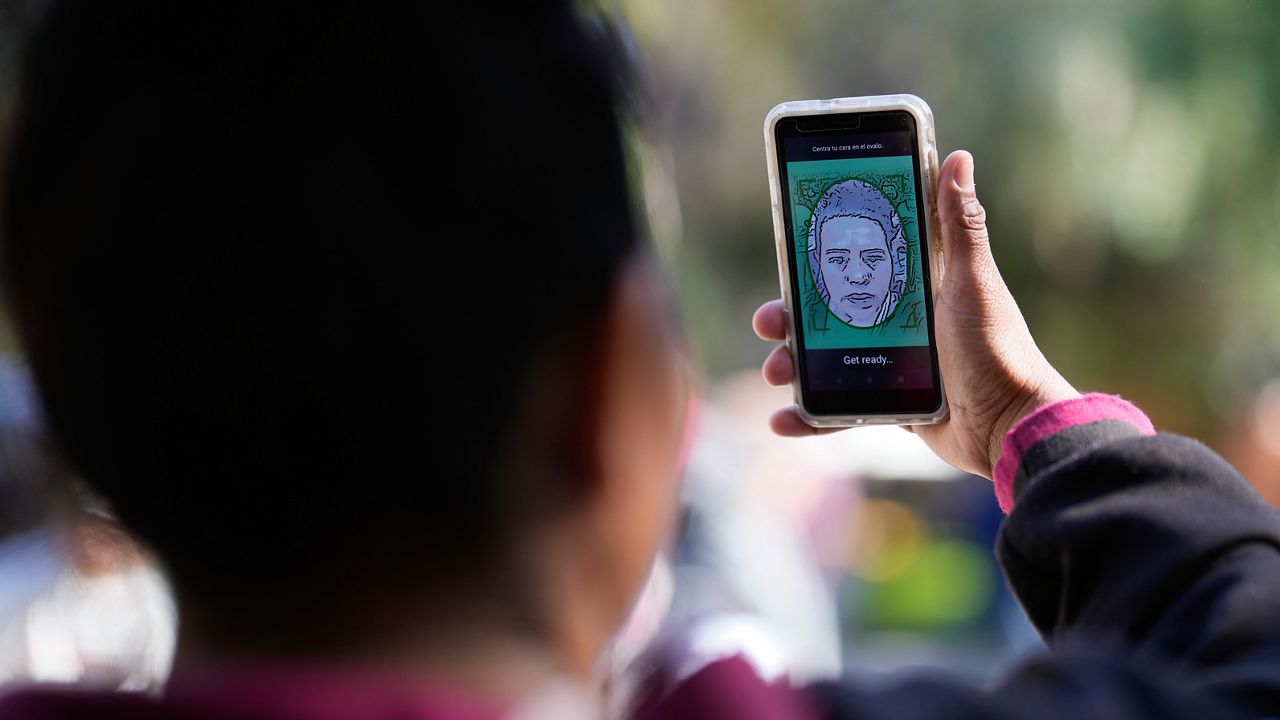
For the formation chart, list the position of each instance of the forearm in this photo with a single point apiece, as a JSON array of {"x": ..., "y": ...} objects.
[{"x": 1151, "y": 543}]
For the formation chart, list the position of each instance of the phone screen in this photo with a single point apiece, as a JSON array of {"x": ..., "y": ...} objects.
[{"x": 858, "y": 248}]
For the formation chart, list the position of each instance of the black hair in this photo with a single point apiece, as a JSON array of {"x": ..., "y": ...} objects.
[{"x": 282, "y": 268}]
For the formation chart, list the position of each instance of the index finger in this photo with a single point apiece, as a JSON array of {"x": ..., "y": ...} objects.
[{"x": 770, "y": 321}]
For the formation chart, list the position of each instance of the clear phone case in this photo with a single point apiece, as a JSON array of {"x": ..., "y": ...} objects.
[{"x": 919, "y": 109}]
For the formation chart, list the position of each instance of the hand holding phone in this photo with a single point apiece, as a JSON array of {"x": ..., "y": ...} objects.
[
  {"x": 852, "y": 182},
  {"x": 994, "y": 372}
]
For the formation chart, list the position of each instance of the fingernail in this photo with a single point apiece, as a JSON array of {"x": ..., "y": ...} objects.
[{"x": 964, "y": 173}]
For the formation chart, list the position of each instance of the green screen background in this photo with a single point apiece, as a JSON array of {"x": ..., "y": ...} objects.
[{"x": 894, "y": 177}]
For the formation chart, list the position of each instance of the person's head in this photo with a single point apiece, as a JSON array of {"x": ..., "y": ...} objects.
[
  {"x": 857, "y": 252},
  {"x": 246, "y": 244}
]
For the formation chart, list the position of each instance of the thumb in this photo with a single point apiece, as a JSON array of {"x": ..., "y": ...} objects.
[{"x": 965, "y": 242}]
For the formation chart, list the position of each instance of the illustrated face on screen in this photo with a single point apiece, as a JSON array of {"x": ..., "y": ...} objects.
[
  {"x": 858, "y": 254},
  {"x": 855, "y": 268}
]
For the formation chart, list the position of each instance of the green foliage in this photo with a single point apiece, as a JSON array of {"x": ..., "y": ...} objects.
[{"x": 1127, "y": 156}]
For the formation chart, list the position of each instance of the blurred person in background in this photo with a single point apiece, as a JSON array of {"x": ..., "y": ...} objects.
[
  {"x": 29, "y": 559},
  {"x": 240, "y": 244},
  {"x": 79, "y": 601}
]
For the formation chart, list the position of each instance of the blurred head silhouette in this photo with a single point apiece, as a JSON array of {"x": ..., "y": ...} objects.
[{"x": 242, "y": 241}]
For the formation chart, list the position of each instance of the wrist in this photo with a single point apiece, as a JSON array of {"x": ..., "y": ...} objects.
[{"x": 1047, "y": 391}]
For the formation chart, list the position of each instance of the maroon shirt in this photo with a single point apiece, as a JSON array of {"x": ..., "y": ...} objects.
[{"x": 258, "y": 694}]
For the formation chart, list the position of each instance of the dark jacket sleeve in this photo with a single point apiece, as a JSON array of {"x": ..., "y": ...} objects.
[{"x": 1151, "y": 568}]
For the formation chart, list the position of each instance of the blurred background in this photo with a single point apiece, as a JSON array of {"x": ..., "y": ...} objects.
[{"x": 1128, "y": 156}]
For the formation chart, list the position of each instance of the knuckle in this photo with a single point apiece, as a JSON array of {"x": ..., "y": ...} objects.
[{"x": 972, "y": 217}]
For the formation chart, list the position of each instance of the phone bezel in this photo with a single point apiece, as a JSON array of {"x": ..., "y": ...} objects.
[{"x": 824, "y": 409}]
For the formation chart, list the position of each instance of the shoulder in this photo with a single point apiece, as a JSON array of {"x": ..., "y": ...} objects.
[
  {"x": 50, "y": 703},
  {"x": 728, "y": 688}
]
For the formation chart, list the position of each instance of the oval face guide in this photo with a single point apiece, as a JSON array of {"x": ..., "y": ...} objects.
[{"x": 853, "y": 184}]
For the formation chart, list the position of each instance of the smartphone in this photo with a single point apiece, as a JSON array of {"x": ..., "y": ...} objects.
[{"x": 853, "y": 184}]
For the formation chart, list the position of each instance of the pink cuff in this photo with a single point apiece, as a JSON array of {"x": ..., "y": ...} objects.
[{"x": 1052, "y": 419}]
